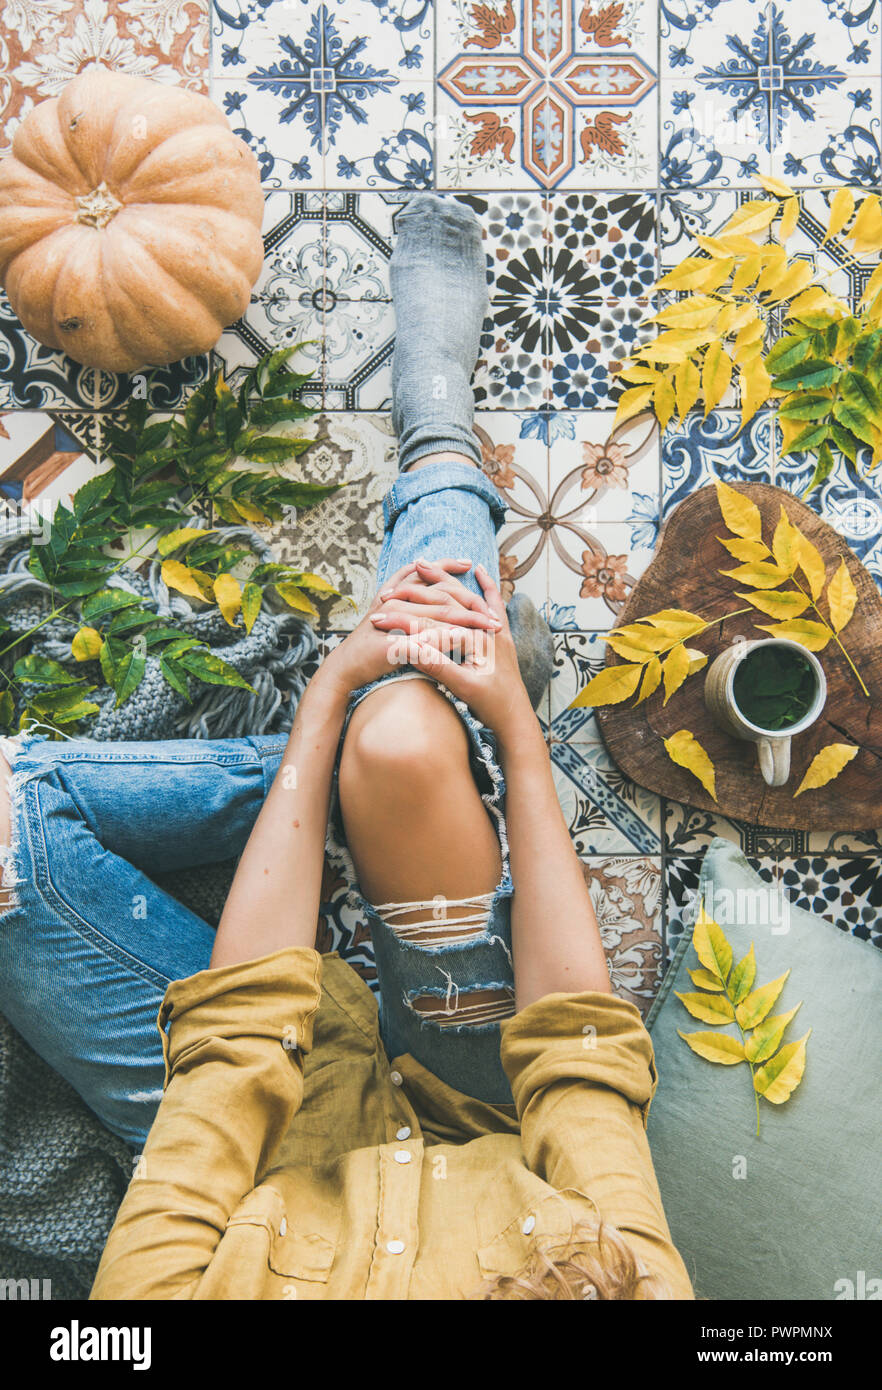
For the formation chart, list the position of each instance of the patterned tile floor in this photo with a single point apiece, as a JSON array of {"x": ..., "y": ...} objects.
[{"x": 594, "y": 138}]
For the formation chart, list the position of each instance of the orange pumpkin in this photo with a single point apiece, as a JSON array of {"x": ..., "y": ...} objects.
[{"x": 130, "y": 219}]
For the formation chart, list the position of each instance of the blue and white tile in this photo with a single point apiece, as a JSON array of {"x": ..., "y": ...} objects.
[
  {"x": 832, "y": 261},
  {"x": 288, "y": 301},
  {"x": 331, "y": 78},
  {"x": 589, "y": 341},
  {"x": 690, "y": 213},
  {"x": 289, "y": 155},
  {"x": 691, "y": 32},
  {"x": 840, "y": 144},
  {"x": 709, "y": 140},
  {"x": 847, "y": 31},
  {"x": 359, "y": 336},
  {"x": 360, "y": 235},
  {"x": 700, "y": 451},
  {"x": 605, "y": 811},
  {"x": 597, "y": 474},
  {"x": 603, "y": 245}
]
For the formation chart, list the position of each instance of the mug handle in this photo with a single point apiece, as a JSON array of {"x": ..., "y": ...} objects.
[{"x": 774, "y": 760}]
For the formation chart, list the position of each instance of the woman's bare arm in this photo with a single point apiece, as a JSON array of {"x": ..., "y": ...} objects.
[{"x": 556, "y": 940}]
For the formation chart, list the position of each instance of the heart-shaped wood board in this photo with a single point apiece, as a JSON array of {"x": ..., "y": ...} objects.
[{"x": 685, "y": 573}]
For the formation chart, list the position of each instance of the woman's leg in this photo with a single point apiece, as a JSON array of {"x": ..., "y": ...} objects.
[
  {"x": 88, "y": 943},
  {"x": 427, "y": 842}
]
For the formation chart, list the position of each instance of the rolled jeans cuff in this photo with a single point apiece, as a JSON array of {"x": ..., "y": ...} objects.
[{"x": 441, "y": 477}]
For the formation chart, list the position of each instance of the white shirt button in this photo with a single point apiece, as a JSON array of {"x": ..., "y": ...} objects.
[
  {"x": 528, "y": 1225},
  {"x": 395, "y": 1247},
  {"x": 283, "y": 1226},
  {"x": 403, "y": 1132},
  {"x": 396, "y": 1078},
  {"x": 403, "y": 1156}
]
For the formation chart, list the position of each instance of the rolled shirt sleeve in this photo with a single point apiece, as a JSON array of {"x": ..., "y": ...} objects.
[
  {"x": 582, "y": 1073},
  {"x": 234, "y": 1081}
]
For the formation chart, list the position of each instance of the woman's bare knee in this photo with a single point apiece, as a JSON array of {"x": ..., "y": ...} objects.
[{"x": 404, "y": 738}]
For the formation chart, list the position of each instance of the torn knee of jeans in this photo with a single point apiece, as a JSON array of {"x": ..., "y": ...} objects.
[
  {"x": 10, "y": 876},
  {"x": 452, "y": 1006},
  {"x": 438, "y": 922}
]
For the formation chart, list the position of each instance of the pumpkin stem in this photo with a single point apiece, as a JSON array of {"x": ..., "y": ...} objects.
[{"x": 95, "y": 209}]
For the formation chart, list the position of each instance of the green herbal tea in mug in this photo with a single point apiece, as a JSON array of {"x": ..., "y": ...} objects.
[{"x": 774, "y": 687}]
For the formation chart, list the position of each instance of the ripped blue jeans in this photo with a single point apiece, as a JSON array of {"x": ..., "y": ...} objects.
[{"x": 89, "y": 943}]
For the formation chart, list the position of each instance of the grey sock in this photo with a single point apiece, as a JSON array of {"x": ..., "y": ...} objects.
[
  {"x": 534, "y": 645},
  {"x": 439, "y": 288}
]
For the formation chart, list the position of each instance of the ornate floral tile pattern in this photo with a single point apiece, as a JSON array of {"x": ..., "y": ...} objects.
[{"x": 595, "y": 139}]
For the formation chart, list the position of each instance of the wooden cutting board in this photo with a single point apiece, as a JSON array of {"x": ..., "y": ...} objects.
[{"x": 685, "y": 574}]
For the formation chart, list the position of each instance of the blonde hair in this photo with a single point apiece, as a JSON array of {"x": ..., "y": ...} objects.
[{"x": 594, "y": 1262}]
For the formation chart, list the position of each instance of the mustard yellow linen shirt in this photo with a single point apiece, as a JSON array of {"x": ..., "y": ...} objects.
[{"x": 289, "y": 1159}]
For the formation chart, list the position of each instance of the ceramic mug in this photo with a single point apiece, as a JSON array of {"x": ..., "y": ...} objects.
[{"x": 773, "y": 747}]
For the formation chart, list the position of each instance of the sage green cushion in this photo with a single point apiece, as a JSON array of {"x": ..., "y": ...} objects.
[{"x": 794, "y": 1214}]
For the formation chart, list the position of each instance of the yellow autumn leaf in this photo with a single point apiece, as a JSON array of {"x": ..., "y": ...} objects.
[
  {"x": 665, "y": 401},
  {"x": 688, "y": 275},
  {"x": 812, "y": 565},
  {"x": 187, "y": 580},
  {"x": 866, "y": 229},
  {"x": 637, "y": 372},
  {"x": 687, "y": 384},
  {"x": 716, "y": 375},
  {"x": 734, "y": 316},
  {"x": 841, "y": 209},
  {"x": 774, "y": 269},
  {"x": 86, "y": 644},
  {"x": 252, "y": 598},
  {"x": 777, "y": 603},
  {"x": 813, "y": 301},
  {"x": 705, "y": 980},
  {"x": 813, "y": 636},
  {"x": 315, "y": 583},
  {"x": 249, "y": 512},
  {"x": 610, "y": 687},
  {"x": 753, "y": 216},
  {"x": 716, "y": 275},
  {"x": 296, "y": 599},
  {"x": 677, "y": 622},
  {"x": 228, "y": 594},
  {"x": 175, "y": 539},
  {"x": 785, "y": 543},
  {"x": 755, "y": 384},
  {"x": 708, "y": 1008},
  {"x": 780, "y": 1076},
  {"x": 742, "y": 977},
  {"x": 742, "y": 516},
  {"x": 715, "y": 1047},
  {"x": 758, "y": 573},
  {"x": 789, "y": 218},
  {"x": 756, "y": 552},
  {"x": 776, "y": 186},
  {"x": 767, "y": 1036},
  {"x": 746, "y": 274},
  {"x": 673, "y": 346},
  {"x": 826, "y": 765},
  {"x": 632, "y": 402},
  {"x": 624, "y": 647},
  {"x": 710, "y": 945},
  {"x": 695, "y": 312},
  {"x": 675, "y": 670},
  {"x": 753, "y": 1009},
  {"x": 684, "y": 749},
  {"x": 791, "y": 284},
  {"x": 651, "y": 677},
  {"x": 874, "y": 286},
  {"x": 842, "y": 597},
  {"x": 749, "y": 341},
  {"x": 697, "y": 659},
  {"x": 641, "y": 635}
]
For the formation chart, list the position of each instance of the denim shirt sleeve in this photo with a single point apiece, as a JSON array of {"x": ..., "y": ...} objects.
[{"x": 234, "y": 1080}]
